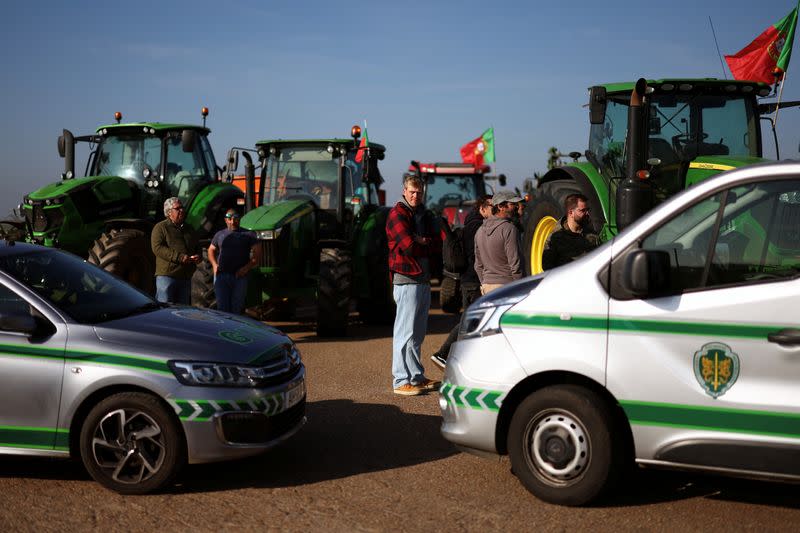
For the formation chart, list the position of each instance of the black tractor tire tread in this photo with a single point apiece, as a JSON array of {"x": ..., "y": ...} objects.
[
  {"x": 450, "y": 295},
  {"x": 203, "y": 294},
  {"x": 333, "y": 304},
  {"x": 127, "y": 254}
]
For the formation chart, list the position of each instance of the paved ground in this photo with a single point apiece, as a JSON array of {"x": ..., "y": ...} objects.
[{"x": 369, "y": 460}]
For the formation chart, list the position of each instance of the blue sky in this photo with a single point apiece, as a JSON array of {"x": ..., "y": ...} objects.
[{"x": 427, "y": 76}]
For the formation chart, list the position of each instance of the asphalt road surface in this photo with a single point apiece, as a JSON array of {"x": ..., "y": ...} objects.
[{"x": 369, "y": 460}]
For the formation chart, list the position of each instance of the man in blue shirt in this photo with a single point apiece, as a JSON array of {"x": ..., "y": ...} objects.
[{"x": 233, "y": 253}]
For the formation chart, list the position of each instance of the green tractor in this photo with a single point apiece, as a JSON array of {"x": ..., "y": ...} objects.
[
  {"x": 648, "y": 141},
  {"x": 107, "y": 215},
  {"x": 317, "y": 210}
]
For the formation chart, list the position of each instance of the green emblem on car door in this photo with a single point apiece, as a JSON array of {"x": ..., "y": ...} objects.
[{"x": 716, "y": 368}]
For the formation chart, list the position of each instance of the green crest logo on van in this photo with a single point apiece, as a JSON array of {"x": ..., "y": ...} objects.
[{"x": 716, "y": 368}]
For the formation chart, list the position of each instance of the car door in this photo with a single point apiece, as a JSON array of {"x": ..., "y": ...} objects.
[
  {"x": 31, "y": 370},
  {"x": 710, "y": 368}
]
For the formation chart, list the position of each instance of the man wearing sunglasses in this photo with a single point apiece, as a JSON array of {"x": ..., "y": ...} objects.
[
  {"x": 233, "y": 253},
  {"x": 174, "y": 246}
]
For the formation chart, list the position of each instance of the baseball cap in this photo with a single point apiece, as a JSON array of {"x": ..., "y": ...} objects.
[{"x": 505, "y": 196}]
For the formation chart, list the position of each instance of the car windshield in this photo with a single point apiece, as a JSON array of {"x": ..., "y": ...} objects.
[
  {"x": 310, "y": 172},
  {"x": 80, "y": 290},
  {"x": 447, "y": 191}
]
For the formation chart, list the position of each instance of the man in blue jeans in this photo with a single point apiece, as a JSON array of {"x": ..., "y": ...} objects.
[
  {"x": 413, "y": 241},
  {"x": 232, "y": 254}
]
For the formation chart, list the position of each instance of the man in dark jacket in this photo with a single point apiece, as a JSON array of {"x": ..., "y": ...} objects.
[
  {"x": 413, "y": 241},
  {"x": 574, "y": 237},
  {"x": 470, "y": 285},
  {"x": 174, "y": 247}
]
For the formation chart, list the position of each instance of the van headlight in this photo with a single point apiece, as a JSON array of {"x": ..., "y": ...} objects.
[{"x": 482, "y": 318}]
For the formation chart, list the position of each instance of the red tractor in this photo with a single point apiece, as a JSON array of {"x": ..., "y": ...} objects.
[{"x": 451, "y": 190}]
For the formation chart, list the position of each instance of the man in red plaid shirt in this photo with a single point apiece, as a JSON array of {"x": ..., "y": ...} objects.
[{"x": 413, "y": 239}]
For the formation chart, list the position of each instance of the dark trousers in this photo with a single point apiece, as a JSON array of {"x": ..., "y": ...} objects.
[{"x": 469, "y": 293}]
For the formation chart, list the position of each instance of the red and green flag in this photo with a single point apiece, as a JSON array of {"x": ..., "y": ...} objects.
[
  {"x": 767, "y": 57},
  {"x": 362, "y": 148},
  {"x": 480, "y": 150}
]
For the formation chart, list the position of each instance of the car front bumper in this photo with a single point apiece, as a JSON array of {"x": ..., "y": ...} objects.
[
  {"x": 230, "y": 423},
  {"x": 479, "y": 374}
]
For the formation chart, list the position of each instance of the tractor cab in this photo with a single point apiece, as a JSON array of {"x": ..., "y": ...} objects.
[{"x": 451, "y": 188}]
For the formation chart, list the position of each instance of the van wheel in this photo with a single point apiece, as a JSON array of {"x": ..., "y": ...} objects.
[
  {"x": 561, "y": 447},
  {"x": 131, "y": 444}
]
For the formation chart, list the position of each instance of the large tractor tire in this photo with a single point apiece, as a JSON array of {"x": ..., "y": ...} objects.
[
  {"x": 379, "y": 308},
  {"x": 450, "y": 295},
  {"x": 203, "y": 294},
  {"x": 127, "y": 254},
  {"x": 542, "y": 216},
  {"x": 333, "y": 294}
]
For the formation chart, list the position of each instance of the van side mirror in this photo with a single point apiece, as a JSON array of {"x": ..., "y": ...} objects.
[
  {"x": 188, "y": 140},
  {"x": 646, "y": 273},
  {"x": 597, "y": 104}
]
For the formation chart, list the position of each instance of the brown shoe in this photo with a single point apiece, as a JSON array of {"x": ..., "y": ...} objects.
[
  {"x": 429, "y": 384},
  {"x": 409, "y": 390}
]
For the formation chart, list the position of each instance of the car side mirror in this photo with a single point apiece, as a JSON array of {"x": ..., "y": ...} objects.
[
  {"x": 646, "y": 273},
  {"x": 18, "y": 322}
]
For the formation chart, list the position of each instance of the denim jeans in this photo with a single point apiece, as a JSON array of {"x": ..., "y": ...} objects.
[
  {"x": 230, "y": 292},
  {"x": 413, "y": 303},
  {"x": 173, "y": 290}
]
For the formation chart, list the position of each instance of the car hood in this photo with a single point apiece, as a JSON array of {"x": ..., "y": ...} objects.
[{"x": 196, "y": 334}]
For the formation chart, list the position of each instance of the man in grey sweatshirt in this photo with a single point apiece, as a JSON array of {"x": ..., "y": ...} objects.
[{"x": 497, "y": 258}]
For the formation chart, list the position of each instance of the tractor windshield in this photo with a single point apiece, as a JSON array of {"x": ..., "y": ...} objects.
[
  {"x": 451, "y": 191},
  {"x": 303, "y": 173},
  {"x": 681, "y": 128},
  {"x": 128, "y": 155}
]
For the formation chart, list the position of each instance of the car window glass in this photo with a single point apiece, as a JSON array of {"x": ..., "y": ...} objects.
[
  {"x": 758, "y": 237},
  {"x": 11, "y": 303}
]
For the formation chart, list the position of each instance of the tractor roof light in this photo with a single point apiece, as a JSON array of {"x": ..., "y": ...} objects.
[
  {"x": 643, "y": 174},
  {"x": 118, "y": 117},
  {"x": 763, "y": 92},
  {"x": 355, "y": 131},
  {"x": 667, "y": 87},
  {"x": 730, "y": 88},
  {"x": 747, "y": 89},
  {"x": 685, "y": 87},
  {"x": 330, "y": 149},
  {"x": 204, "y": 112}
]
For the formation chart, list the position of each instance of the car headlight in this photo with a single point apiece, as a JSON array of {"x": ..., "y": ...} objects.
[
  {"x": 268, "y": 234},
  {"x": 209, "y": 374},
  {"x": 482, "y": 318}
]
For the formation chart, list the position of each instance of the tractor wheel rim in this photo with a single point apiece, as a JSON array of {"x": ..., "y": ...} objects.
[{"x": 544, "y": 228}]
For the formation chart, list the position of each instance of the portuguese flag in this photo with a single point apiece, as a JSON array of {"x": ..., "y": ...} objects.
[
  {"x": 362, "y": 148},
  {"x": 479, "y": 151},
  {"x": 768, "y": 54}
]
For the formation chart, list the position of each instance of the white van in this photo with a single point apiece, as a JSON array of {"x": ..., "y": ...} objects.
[{"x": 674, "y": 345}]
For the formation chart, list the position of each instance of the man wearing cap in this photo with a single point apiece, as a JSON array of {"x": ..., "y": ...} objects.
[
  {"x": 497, "y": 259},
  {"x": 232, "y": 254}
]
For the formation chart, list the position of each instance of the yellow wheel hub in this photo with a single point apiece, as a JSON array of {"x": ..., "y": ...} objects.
[{"x": 544, "y": 228}]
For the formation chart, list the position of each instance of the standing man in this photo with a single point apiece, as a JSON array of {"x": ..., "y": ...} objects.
[
  {"x": 470, "y": 285},
  {"x": 574, "y": 236},
  {"x": 173, "y": 244},
  {"x": 413, "y": 239},
  {"x": 232, "y": 254},
  {"x": 497, "y": 260}
]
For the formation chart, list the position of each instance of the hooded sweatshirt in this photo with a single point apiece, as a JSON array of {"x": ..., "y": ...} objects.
[{"x": 497, "y": 252}]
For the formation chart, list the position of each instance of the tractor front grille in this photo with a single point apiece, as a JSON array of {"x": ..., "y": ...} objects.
[
  {"x": 41, "y": 219},
  {"x": 269, "y": 253}
]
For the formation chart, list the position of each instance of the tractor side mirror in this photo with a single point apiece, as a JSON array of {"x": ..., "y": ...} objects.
[
  {"x": 66, "y": 149},
  {"x": 597, "y": 104},
  {"x": 233, "y": 163},
  {"x": 188, "y": 140},
  {"x": 502, "y": 180},
  {"x": 381, "y": 197}
]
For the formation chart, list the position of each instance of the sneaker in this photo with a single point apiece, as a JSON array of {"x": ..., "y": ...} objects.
[
  {"x": 409, "y": 390},
  {"x": 439, "y": 361},
  {"x": 429, "y": 384}
]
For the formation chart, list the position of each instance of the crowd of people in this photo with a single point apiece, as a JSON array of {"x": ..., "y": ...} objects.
[
  {"x": 491, "y": 240},
  {"x": 492, "y": 244}
]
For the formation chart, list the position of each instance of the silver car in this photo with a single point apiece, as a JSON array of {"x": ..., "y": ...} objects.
[{"x": 91, "y": 367}]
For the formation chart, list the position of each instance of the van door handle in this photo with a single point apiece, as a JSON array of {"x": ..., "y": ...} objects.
[{"x": 789, "y": 336}]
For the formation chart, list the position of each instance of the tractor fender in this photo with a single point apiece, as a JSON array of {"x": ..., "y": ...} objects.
[
  {"x": 140, "y": 224},
  {"x": 206, "y": 213},
  {"x": 591, "y": 184}
]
